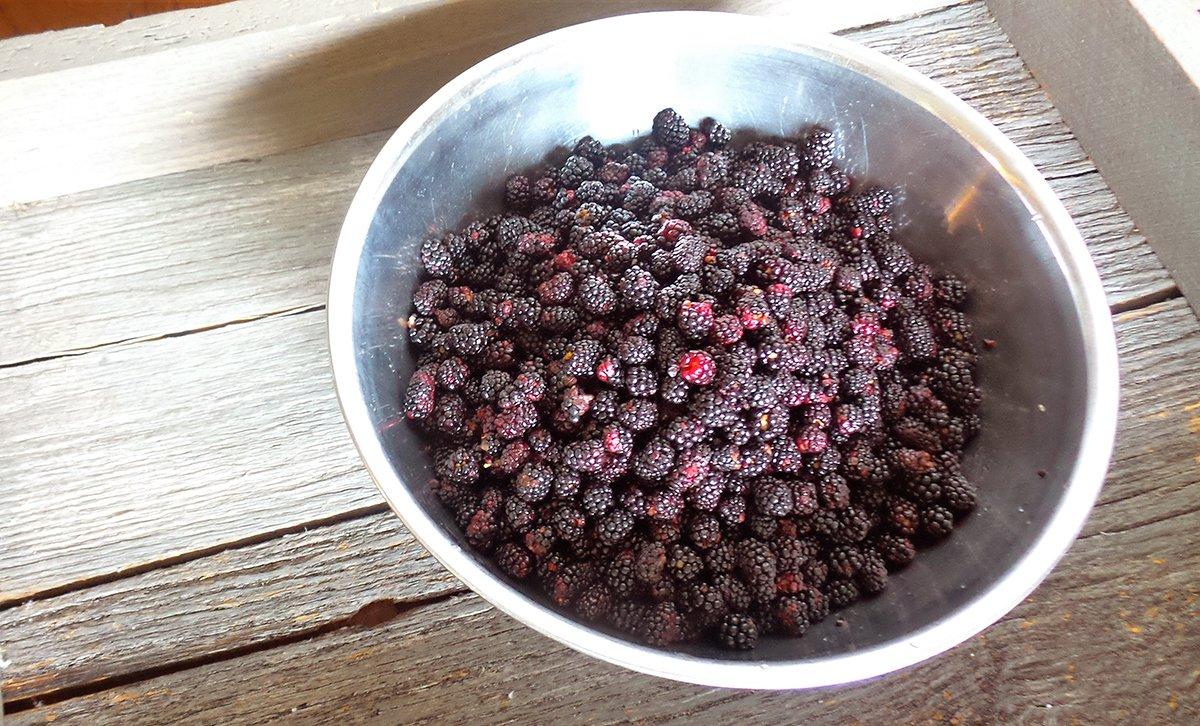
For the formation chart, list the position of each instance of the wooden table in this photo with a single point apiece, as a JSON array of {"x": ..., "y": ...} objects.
[{"x": 188, "y": 534}]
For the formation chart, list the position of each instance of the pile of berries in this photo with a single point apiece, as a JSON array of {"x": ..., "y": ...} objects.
[{"x": 694, "y": 392}]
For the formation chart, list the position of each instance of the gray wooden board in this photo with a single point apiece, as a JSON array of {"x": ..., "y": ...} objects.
[
  {"x": 1142, "y": 538},
  {"x": 247, "y": 239},
  {"x": 250, "y": 94},
  {"x": 1131, "y": 90}
]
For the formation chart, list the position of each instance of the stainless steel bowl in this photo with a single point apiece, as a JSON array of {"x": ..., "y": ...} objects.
[{"x": 972, "y": 204}]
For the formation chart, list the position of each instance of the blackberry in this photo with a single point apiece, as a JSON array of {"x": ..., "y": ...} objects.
[
  {"x": 755, "y": 561},
  {"x": 842, "y": 593},
  {"x": 953, "y": 379},
  {"x": 688, "y": 253},
  {"x": 895, "y": 549},
  {"x": 585, "y": 456},
  {"x": 845, "y": 561},
  {"x": 773, "y": 497},
  {"x": 614, "y": 527},
  {"x": 514, "y": 561},
  {"x": 594, "y": 603},
  {"x": 635, "y": 350},
  {"x": 662, "y": 625},
  {"x": 872, "y": 575},
  {"x": 664, "y": 505},
  {"x": 937, "y": 521},
  {"x": 637, "y": 289},
  {"x": 951, "y": 291},
  {"x": 718, "y": 135},
  {"x": 574, "y": 171},
  {"x": 738, "y": 632},
  {"x": 640, "y": 382},
  {"x": 704, "y": 531},
  {"x": 695, "y": 319},
  {"x": 597, "y": 499},
  {"x": 683, "y": 563},
  {"x": 791, "y": 616},
  {"x": 518, "y": 515},
  {"x": 818, "y": 149},
  {"x": 637, "y": 415},
  {"x": 954, "y": 329},
  {"x": 566, "y": 482},
  {"x": 958, "y": 494},
  {"x": 925, "y": 488},
  {"x": 596, "y": 296},
  {"x": 915, "y": 335},
  {"x": 670, "y": 129},
  {"x": 649, "y": 562},
  {"x": 420, "y": 397}
]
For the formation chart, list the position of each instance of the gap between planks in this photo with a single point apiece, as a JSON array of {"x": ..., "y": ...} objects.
[{"x": 370, "y": 615}]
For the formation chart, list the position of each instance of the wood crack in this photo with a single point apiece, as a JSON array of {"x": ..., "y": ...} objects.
[
  {"x": 108, "y": 345},
  {"x": 83, "y": 584},
  {"x": 370, "y": 615}
]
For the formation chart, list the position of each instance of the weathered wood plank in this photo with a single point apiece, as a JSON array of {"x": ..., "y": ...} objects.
[
  {"x": 331, "y": 572},
  {"x": 295, "y": 584},
  {"x": 295, "y": 86},
  {"x": 62, "y": 49},
  {"x": 148, "y": 451},
  {"x": 175, "y": 253},
  {"x": 250, "y": 238}
]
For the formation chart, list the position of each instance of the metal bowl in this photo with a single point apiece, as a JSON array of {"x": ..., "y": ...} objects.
[{"x": 971, "y": 204}]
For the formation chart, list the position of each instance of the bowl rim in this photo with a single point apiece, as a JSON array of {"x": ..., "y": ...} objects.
[{"x": 1003, "y": 594}]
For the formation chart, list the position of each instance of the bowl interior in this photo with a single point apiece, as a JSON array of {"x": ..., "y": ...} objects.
[{"x": 955, "y": 209}]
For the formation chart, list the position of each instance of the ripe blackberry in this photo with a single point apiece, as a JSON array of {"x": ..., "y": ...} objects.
[
  {"x": 662, "y": 624},
  {"x": 514, "y": 561},
  {"x": 670, "y": 129},
  {"x": 638, "y": 415},
  {"x": 718, "y": 135},
  {"x": 594, "y": 603},
  {"x": 773, "y": 497},
  {"x": 649, "y": 561},
  {"x": 518, "y": 515},
  {"x": 683, "y": 563},
  {"x": 635, "y": 350},
  {"x": 841, "y": 593},
  {"x": 936, "y": 521},
  {"x": 790, "y": 616},
  {"x": 958, "y": 494},
  {"x": 596, "y": 296},
  {"x": 872, "y": 576},
  {"x": 924, "y": 488},
  {"x": 614, "y": 527},
  {"x": 574, "y": 171},
  {"x": 954, "y": 329},
  {"x": 704, "y": 531},
  {"x": 637, "y": 289},
  {"x": 695, "y": 319},
  {"x": 951, "y": 291},
  {"x": 738, "y": 632},
  {"x": 895, "y": 549},
  {"x": 953, "y": 380}
]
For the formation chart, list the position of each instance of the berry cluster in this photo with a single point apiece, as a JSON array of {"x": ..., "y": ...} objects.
[{"x": 694, "y": 392}]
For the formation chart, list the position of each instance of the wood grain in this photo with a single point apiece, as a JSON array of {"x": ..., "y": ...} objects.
[
  {"x": 149, "y": 451},
  {"x": 74, "y": 47},
  {"x": 295, "y": 86},
  {"x": 288, "y": 587},
  {"x": 292, "y": 585},
  {"x": 175, "y": 253},
  {"x": 247, "y": 239}
]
